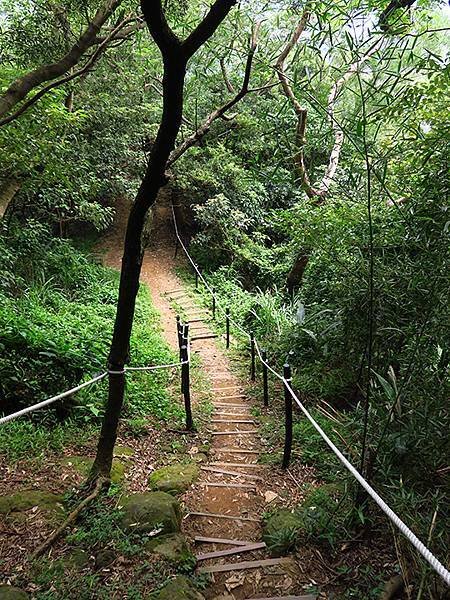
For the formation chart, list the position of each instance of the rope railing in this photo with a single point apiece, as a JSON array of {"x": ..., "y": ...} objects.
[
  {"x": 99, "y": 377},
  {"x": 289, "y": 391}
]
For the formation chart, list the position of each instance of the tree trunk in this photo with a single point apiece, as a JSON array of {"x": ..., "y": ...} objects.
[{"x": 155, "y": 178}]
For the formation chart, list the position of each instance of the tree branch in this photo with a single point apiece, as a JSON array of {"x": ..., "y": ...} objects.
[
  {"x": 228, "y": 83},
  {"x": 218, "y": 113},
  {"x": 300, "y": 111},
  {"x": 333, "y": 161},
  {"x": 93, "y": 59},
  {"x": 22, "y": 86},
  {"x": 207, "y": 26},
  {"x": 159, "y": 29}
]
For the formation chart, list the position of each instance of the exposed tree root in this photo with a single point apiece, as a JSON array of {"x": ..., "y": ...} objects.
[{"x": 99, "y": 485}]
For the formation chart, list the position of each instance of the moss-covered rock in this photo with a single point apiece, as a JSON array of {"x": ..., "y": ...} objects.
[
  {"x": 26, "y": 499},
  {"x": 77, "y": 559},
  {"x": 123, "y": 451},
  {"x": 179, "y": 588},
  {"x": 143, "y": 513},
  {"x": 174, "y": 479},
  {"x": 8, "y": 592},
  {"x": 172, "y": 546},
  {"x": 83, "y": 464},
  {"x": 281, "y": 531}
]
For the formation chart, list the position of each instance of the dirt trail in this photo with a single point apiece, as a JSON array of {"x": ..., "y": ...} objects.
[{"x": 235, "y": 440}]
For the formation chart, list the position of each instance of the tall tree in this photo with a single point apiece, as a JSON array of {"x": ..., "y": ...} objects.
[{"x": 175, "y": 55}]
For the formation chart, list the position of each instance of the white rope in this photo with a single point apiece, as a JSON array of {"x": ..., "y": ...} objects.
[
  {"x": 29, "y": 409},
  {"x": 420, "y": 547}
]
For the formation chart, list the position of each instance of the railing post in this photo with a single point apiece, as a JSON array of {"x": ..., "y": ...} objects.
[
  {"x": 196, "y": 278},
  {"x": 288, "y": 417},
  {"x": 214, "y": 302},
  {"x": 227, "y": 323},
  {"x": 186, "y": 388},
  {"x": 179, "y": 334},
  {"x": 253, "y": 364},
  {"x": 184, "y": 342},
  {"x": 265, "y": 378}
]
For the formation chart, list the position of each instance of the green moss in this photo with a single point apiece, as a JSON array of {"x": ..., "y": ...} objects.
[
  {"x": 145, "y": 513},
  {"x": 172, "y": 546},
  {"x": 26, "y": 499},
  {"x": 174, "y": 479},
  {"x": 179, "y": 588},
  {"x": 83, "y": 464},
  {"x": 123, "y": 451},
  {"x": 8, "y": 592},
  {"x": 281, "y": 531}
]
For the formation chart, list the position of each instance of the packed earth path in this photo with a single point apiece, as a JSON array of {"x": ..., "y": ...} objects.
[{"x": 225, "y": 506}]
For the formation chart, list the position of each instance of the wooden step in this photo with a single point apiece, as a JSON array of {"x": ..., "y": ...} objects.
[
  {"x": 242, "y": 405},
  {"x": 231, "y": 464},
  {"x": 233, "y": 421},
  {"x": 233, "y": 473},
  {"x": 202, "y": 540},
  {"x": 203, "y": 337},
  {"x": 246, "y": 432},
  {"x": 240, "y": 486},
  {"x": 220, "y": 516},
  {"x": 237, "y": 450},
  {"x": 249, "y": 564},
  {"x": 229, "y": 551}
]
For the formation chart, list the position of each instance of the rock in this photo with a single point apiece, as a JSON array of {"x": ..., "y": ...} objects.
[
  {"x": 174, "y": 479},
  {"x": 26, "y": 499},
  {"x": 123, "y": 451},
  {"x": 172, "y": 546},
  {"x": 8, "y": 592},
  {"x": 281, "y": 531},
  {"x": 179, "y": 588},
  {"x": 145, "y": 513},
  {"x": 200, "y": 458},
  {"x": 104, "y": 558},
  {"x": 78, "y": 558},
  {"x": 83, "y": 465}
]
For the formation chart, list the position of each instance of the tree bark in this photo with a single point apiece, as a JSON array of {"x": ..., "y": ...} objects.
[{"x": 175, "y": 56}]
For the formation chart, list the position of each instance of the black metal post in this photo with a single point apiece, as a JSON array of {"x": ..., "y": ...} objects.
[
  {"x": 186, "y": 389},
  {"x": 184, "y": 342},
  {"x": 214, "y": 302},
  {"x": 227, "y": 320},
  {"x": 196, "y": 279},
  {"x": 179, "y": 334},
  {"x": 288, "y": 418},
  {"x": 265, "y": 378},
  {"x": 253, "y": 366}
]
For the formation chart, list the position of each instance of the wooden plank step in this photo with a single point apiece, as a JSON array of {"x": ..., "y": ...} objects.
[
  {"x": 248, "y": 564},
  {"x": 242, "y": 405},
  {"x": 237, "y": 550},
  {"x": 201, "y": 540},
  {"x": 203, "y": 337},
  {"x": 307, "y": 597},
  {"x": 234, "y": 473},
  {"x": 219, "y": 516},
  {"x": 175, "y": 291},
  {"x": 228, "y": 387},
  {"x": 241, "y": 486},
  {"x": 231, "y": 464},
  {"x": 232, "y": 421},
  {"x": 195, "y": 321},
  {"x": 233, "y": 395},
  {"x": 246, "y": 432},
  {"x": 237, "y": 451},
  {"x": 225, "y": 414}
]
